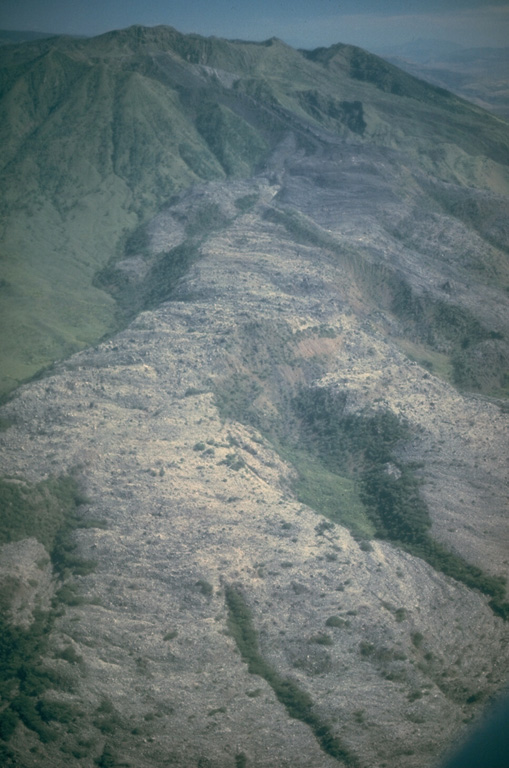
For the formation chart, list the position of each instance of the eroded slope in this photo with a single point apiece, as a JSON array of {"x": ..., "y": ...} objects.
[{"x": 232, "y": 618}]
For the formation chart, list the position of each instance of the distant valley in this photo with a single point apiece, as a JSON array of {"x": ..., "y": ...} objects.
[{"x": 480, "y": 75}]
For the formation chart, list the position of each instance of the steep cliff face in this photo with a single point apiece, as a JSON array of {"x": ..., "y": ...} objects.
[{"x": 271, "y": 510}]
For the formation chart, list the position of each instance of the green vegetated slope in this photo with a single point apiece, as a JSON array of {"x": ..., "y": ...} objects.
[
  {"x": 388, "y": 487},
  {"x": 429, "y": 112},
  {"x": 98, "y": 134}
]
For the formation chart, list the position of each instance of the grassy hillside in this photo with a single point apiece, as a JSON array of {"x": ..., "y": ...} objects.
[{"x": 98, "y": 134}]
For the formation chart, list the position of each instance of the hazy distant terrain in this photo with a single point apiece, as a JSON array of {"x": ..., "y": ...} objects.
[
  {"x": 478, "y": 74},
  {"x": 255, "y": 513},
  {"x": 12, "y": 37}
]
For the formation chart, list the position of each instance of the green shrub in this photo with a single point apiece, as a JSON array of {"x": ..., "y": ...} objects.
[
  {"x": 55, "y": 710},
  {"x": 68, "y": 594},
  {"x": 414, "y": 695},
  {"x": 65, "y": 559},
  {"x": 107, "y": 758},
  {"x": 69, "y": 654},
  {"x": 192, "y": 391},
  {"x": 22, "y": 680},
  {"x": 205, "y": 588},
  {"x": 39, "y": 510},
  {"x": 366, "y": 649},
  {"x": 207, "y": 218},
  {"x": 240, "y": 760},
  {"x": 235, "y": 398},
  {"x": 233, "y": 461},
  {"x": 245, "y": 203},
  {"x": 218, "y": 711},
  {"x": 336, "y": 621},
  {"x": 8, "y": 722},
  {"x": 105, "y": 707},
  {"x": 321, "y": 639},
  {"x": 25, "y": 708},
  {"x": 7, "y": 756},
  {"x": 167, "y": 268}
]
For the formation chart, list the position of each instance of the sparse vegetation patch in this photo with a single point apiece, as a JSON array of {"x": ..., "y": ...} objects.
[
  {"x": 48, "y": 511},
  {"x": 40, "y": 510},
  {"x": 297, "y": 702}
]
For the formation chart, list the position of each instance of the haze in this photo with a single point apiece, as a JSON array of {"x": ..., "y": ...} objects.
[{"x": 368, "y": 24}]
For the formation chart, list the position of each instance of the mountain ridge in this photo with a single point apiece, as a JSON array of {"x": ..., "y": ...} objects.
[{"x": 140, "y": 164}]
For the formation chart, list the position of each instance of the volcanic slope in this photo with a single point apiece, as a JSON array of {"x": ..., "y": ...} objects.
[
  {"x": 98, "y": 134},
  {"x": 265, "y": 524},
  {"x": 263, "y": 528}
]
